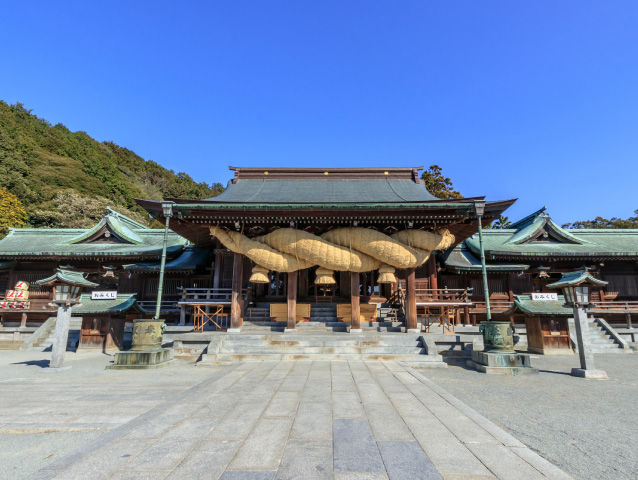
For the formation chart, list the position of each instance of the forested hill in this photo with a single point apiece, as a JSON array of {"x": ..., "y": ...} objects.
[{"x": 66, "y": 179}]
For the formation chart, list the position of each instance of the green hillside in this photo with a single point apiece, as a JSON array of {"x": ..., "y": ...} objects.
[{"x": 66, "y": 178}]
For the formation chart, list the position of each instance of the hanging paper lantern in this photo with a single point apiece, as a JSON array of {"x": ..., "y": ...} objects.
[
  {"x": 324, "y": 277},
  {"x": 259, "y": 275},
  {"x": 386, "y": 275}
]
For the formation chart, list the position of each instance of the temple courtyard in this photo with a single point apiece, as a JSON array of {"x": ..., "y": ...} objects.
[{"x": 314, "y": 420}]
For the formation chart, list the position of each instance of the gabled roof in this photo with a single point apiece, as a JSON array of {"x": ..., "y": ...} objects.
[
  {"x": 114, "y": 236},
  {"x": 189, "y": 260},
  {"x": 66, "y": 276},
  {"x": 460, "y": 259},
  {"x": 537, "y": 236},
  {"x": 577, "y": 278},
  {"x": 124, "y": 303},
  {"x": 525, "y": 304}
]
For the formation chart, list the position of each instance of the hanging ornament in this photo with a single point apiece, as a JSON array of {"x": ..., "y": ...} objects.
[
  {"x": 324, "y": 277},
  {"x": 386, "y": 275},
  {"x": 259, "y": 275}
]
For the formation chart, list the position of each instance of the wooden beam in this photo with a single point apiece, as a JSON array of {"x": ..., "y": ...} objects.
[
  {"x": 433, "y": 281},
  {"x": 292, "y": 301},
  {"x": 235, "y": 308},
  {"x": 410, "y": 299},
  {"x": 354, "y": 301}
]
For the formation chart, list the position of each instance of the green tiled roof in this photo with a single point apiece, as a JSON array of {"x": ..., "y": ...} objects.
[
  {"x": 190, "y": 259},
  {"x": 460, "y": 259},
  {"x": 136, "y": 240},
  {"x": 122, "y": 304},
  {"x": 525, "y": 304},
  {"x": 519, "y": 241},
  {"x": 315, "y": 191},
  {"x": 575, "y": 279},
  {"x": 67, "y": 276}
]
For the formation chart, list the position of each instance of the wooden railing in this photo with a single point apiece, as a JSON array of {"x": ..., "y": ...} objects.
[
  {"x": 496, "y": 305},
  {"x": 444, "y": 295},
  {"x": 206, "y": 295},
  {"x": 615, "y": 306},
  {"x": 165, "y": 305}
]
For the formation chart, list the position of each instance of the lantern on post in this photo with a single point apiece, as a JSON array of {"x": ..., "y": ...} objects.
[
  {"x": 146, "y": 345},
  {"x": 67, "y": 287},
  {"x": 576, "y": 287}
]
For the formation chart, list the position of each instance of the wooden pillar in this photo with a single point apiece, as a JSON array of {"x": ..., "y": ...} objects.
[
  {"x": 433, "y": 280},
  {"x": 510, "y": 291},
  {"x": 292, "y": 301},
  {"x": 410, "y": 299},
  {"x": 467, "y": 314},
  {"x": 344, "y": 284},
  {"x": 303, "y": 283},
  {"x": 235, "y": 308},
  {"x": 218, "y": 266},
  {"x": 23, "y": 321},
  {"x": 354, "y": 302},
  {"x": 628, "y": 316}
]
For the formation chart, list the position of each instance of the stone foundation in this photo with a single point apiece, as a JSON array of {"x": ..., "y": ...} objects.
[{"x": 502, "y": 363}]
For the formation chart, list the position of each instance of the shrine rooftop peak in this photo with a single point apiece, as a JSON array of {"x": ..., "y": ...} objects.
[{"x": 259, "y": 200}]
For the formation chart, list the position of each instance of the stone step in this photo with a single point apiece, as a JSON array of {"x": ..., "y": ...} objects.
[
  {"x": 298, "y": 350},
  {"x": 10, "y": 344},
  {"x": 309, "y": 343},
  {"x": 423, "y": 361}
]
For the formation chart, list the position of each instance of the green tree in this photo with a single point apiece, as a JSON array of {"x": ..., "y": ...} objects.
[
  {"x": 501, "y": 222},
  {"x": 12, "y": 212},
  {"x": 600, "y": 222},
  {"x": 439, "y": 185}
]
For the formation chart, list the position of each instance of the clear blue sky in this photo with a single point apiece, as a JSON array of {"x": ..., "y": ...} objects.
[{"x": 536, "y": 100}]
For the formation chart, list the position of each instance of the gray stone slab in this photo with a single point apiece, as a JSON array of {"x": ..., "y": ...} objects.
[
  {"x": 407, "y": 461},
  {"x": 354, "y": 448},
  {"x": 283, "y": 404},
  {"x": 238, "y": 423},
  {"x": 347, "y": 405},
  {"x": 264, "y": 447},
  {"x": 306, "y": 459},
  {"x": 208, "y": 461},
  {"x": 504, "y": 463},
  {"x": 163, "y": 455},
  {"x": 360, "y": 476},
  {"x": 248, "y": 476},
  {"x": 313, "y": 422},
  {"x": 387, "y": 424}
]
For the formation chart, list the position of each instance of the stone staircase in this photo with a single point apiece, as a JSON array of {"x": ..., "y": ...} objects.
[
  {"x": 46, "y": 337},
  {"x": 228, "y": 348},
  {"x": 601, "y": 340},
  {"x": 323, "y": 318}
]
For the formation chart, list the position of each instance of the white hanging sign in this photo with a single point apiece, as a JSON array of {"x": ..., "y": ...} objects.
[
  {"x": 104, "y": 295},
  {"x": 545, "y": 297}
]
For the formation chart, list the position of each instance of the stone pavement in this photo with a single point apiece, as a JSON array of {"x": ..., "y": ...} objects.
[{"x": 297, "y": 420}]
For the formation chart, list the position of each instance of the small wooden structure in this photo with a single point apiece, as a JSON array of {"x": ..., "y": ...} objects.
[
  {"x": 103, "y": 321},
  {"x": 546, "y": 324}
]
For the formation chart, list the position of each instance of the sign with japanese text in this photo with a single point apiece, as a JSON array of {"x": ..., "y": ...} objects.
[
  {"x": 104, "y": 295},
  {"x": 545, "y": 296}
]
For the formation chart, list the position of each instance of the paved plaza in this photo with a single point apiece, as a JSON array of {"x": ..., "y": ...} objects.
[{"x": 251, "y": 420}]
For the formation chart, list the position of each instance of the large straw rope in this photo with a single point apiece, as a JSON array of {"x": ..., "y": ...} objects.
[{"x": 353, "y": 249}]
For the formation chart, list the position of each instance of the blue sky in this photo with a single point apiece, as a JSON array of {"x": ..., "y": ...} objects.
[{"x": 530, "y": 100}]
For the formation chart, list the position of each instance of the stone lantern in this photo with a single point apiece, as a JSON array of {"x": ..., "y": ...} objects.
[
  {"x": 67, "y": 286},
  {"x": 576, "y": 287}
]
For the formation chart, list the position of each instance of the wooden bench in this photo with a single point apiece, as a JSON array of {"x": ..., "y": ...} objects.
[
  {"x": 367, "y": 312},
  {"x": 279, "y": 312},
  {"x": 260, "y": 313}
]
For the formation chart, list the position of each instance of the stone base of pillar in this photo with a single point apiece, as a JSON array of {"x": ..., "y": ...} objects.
[
  {"x": 55, "y": 369},
  {"x": 582, "y": 373},
  {"x": 355, "y": 330},
  {"x": 141, "y": 359},
  {"x": 502, "y": 363},
  {"x": 413, "y": 330},
  {"x": 233, "y": 330},
  {"x": 290, "y": 330}
]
